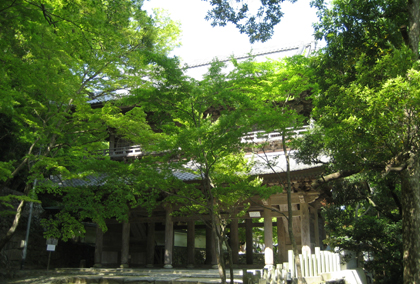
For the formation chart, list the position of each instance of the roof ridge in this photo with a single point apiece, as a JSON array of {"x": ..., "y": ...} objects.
[{"x": 247, "y": 55}]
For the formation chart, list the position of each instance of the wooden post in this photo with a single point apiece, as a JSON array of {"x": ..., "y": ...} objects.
[
  {"x": 125, "y": 248},
  {"x": 249, "y": 244},
  {"x": 268, "y": 238},
  {"x": 49, "y": 259},
  {"x": 209, "y": 244},
  {"x": 281, "y": 237},
  {"x": 305, "y": 228},
  {"x": 190, "y": 244},
  {"x": 316, "y": 225},
  {"x": 150, "y": 250},
  {"x": 169, "y": 239},
  {"x": 99, "y": 244},
  {"x": 234, "y": 241},
  {"x": 214, "y": 247}
]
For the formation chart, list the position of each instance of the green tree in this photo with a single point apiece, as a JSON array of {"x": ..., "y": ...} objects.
[
  {"x": 367, "y": 107},
  {"x": 373, "y": 129},
  {"x": 279, "y": 85},
  {"x": 351, "y": 29},
  {"x": 58, "y": 55},
  {"x": 361, "y": 36},
  {"x": 203, "y": 123},
  {"x": 364, "y": 216}
]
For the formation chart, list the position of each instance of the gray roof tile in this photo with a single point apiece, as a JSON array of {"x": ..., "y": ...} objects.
[{"x": 276, "y": 159}]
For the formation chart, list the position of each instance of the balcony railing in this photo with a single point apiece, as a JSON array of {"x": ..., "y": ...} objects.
[
  {"x": 250, "y": 137},
  {"x": 130, "y": 151},
  {"x": 262, "y": 136}
]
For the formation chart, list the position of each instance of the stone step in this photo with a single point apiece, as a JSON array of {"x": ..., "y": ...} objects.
[{"x": 120, "y": 276}]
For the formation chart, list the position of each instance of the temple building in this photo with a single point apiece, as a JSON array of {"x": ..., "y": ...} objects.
[
  {"x": 154, "y": 241},
  {"x": 150, "y": 241}
]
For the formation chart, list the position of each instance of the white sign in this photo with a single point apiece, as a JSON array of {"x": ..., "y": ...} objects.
[
  {"x": 50, "y": 247},
  {"x": 255, "y": 214}
]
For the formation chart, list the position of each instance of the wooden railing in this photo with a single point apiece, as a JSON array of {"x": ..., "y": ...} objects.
[
  {"x": 250, "y": 137},
  {"x": 130, "y": 151},
  {"x": 262, "y": 136},
  {"x": 317, "y": 265}
]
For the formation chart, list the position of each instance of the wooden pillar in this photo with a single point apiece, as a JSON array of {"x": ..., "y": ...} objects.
[
  {"x": 125, "y": 248},
  {"x": 316, "y": 225},
  {"x": 268, "y": 238},
  {"x": 190, "y": 244},
  {"x": 248, "y": 239},
  {"x": 209, "y": 244},
  {"x": 281, "y": 237},
  {"x": 150, "y": 250},
  {"x": 169, "y": 239},
  {"x": 214, "y": 247},
  {"x": 99, "y": 244},
  {"x": 234, "y": 241},
  {"x": 305, "y": 228}
]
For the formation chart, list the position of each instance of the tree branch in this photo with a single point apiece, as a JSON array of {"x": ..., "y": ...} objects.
[
  {"x": 334, "y": 176},
  {"x": 386, "y": 214},
  {"x": 397, "y": 201},
  {"x": 18, "y": 168},
  {"x": 11, "y": 6}
]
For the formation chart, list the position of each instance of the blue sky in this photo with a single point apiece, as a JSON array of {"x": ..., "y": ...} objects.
[{"x": 202, "y": 42}]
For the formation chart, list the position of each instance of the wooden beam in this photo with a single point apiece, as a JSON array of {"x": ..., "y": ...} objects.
[
  {"x": 160, "y": 219},
  {"x": 279, "y": 199}
]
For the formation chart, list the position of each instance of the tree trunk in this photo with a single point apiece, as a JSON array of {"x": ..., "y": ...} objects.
[
  {"x": 219, "y": 254},
  {"x": 410, "y": 187},
  {"x": 217, "y": 237},
  {"x": 411, "y": 222},
  {"x": 4, "y": 240},
  {"x": 413, "y": 9},
  {"x": 229, "y": 249},
  {"x": 290, "y": 217}
]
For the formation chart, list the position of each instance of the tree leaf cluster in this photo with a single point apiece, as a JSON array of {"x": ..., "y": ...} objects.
[
  {"x": 256, "y": 22},
  {"x": 366, "y": 124},
  {"x": 365, "y": 220},
  {"x": 60, "y": 61}
]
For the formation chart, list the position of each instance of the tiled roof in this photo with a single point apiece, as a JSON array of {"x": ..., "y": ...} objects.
[
  {"x": 276, "y": 159},
  {"x": 197, "y": 69},
  {"x": 185, "y": 175},
  {"x": 297, "y": 49},
  {"x": 87, "y": 181}
]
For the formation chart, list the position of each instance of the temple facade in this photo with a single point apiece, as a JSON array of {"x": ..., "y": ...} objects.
[{"x": 153, "y": 241}]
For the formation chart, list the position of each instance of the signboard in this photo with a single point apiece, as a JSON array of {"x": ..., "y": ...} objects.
[
  {"x": 255, "y": 214},
  {"x": 51, "y": 243},
  {"x": 50, "y": 247}
]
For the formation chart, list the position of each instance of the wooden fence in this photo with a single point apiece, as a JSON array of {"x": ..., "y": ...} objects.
[{"x": 314, "y": 264}]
